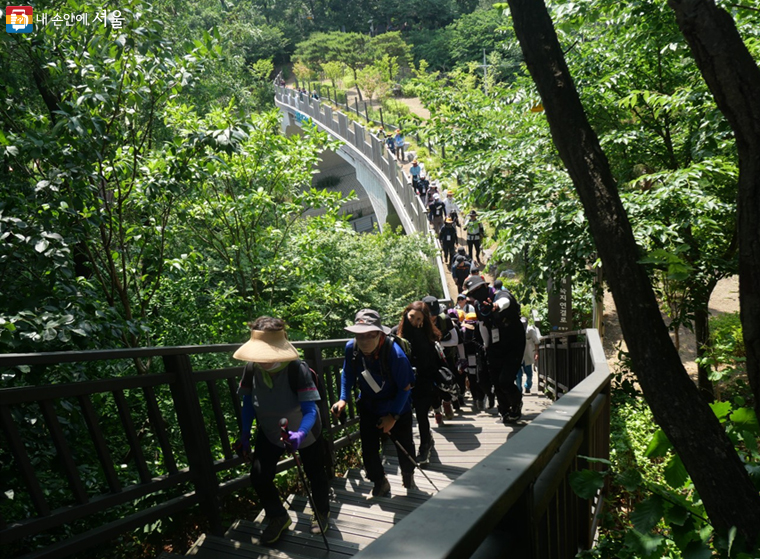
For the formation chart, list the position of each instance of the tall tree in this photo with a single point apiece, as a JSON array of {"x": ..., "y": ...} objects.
[
  {"x": 730, "y": 498},
  {"x": 734, "y": 79}
]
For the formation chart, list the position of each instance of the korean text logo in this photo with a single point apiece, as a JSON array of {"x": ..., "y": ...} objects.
[{"x": 18, "y": 19}]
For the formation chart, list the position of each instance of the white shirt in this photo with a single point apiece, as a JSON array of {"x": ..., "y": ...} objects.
[
  {"x": 451, "y": 205},
  {"x": 532, "y": 337}
]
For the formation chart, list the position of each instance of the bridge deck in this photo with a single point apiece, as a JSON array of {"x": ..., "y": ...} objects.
[{"x": 356, "y": 519}]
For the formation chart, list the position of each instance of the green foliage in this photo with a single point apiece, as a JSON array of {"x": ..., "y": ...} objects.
[
  {"x": 667, "y": 518},
  {"x": 726, "y": 356},
  {"x": 464, "y": 40}
]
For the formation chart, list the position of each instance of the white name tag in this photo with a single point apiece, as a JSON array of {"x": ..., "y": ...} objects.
[
  {"x": 371, "y": 381},
  {"x": 472, "y": 360},
  {"x": 448, "y": 237},
  {"x": 495, "y": 335}
]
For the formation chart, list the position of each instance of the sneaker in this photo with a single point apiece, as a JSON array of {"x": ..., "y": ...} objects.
[
  {"x": 408, "y": 480},
  {"x": 382, "y": 488},
  {"x": 423, "y": 458},
  {"x": 515, "y": 412},
  {"x": 275, "y": 528},
  {"x": 315, "y": 522},
  {"x": 448, "y": 411},
  {"x": 439, "y": 419}
]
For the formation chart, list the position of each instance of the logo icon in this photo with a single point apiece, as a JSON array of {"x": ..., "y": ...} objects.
[{"x": 18, "y": 19}]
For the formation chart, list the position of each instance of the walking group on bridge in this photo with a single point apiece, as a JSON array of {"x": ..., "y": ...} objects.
[{"x": 421, "y": 367}]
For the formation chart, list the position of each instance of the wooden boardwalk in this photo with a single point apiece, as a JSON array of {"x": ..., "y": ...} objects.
[{"x": 356, "y": 520}]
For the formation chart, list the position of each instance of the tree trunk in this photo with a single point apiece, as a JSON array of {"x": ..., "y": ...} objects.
[
  {"x": 709, "y": 456},
  {"x": 702, "y": 338},
  {"x": 734, "y": 80}
]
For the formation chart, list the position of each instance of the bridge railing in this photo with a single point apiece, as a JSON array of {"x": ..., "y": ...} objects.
[
  {"x": 123, "y": 453},
  {"x": 136, "y": 448},
  {"x": 517, "y": 502},
  {"x": 372, "y": 151}
]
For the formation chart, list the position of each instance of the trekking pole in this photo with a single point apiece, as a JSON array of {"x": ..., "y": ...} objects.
[
  {"x": 342, "y": 419},
  {"x": 398, "y": 445},
  {"x": 302, "y": 475}
]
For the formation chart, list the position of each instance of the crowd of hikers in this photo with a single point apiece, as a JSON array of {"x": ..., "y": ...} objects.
[{"x": 422, "y": 368}]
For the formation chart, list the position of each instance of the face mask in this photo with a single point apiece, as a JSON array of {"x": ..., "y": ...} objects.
[
  {"x": 480, "y": 294},
  {"x": 368, "y": 345}
]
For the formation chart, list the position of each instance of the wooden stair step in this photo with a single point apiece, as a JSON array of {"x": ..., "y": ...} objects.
[
  {"x": 213, "y": 547},
  {"x": 340, "y": 512},
  {"x": 300, "y": 540},
  {"x": 424, "y": 487},
  {"x": 394, "y": 503},
  {"x": 361, "y": 487}
]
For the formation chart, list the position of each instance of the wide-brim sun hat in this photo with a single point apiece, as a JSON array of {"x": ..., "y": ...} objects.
[
  {"x": 367, "y": 320},
  {"x": 267, "y": 346},
  {"x": 472, "y": 283}
]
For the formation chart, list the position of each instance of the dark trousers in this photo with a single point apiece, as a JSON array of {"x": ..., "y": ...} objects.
[
  {"x": 371, "y": 436},
  {"x": 476, "y": 246},
  {"x": 448, "y": 252},
  {"x": 503, "y": 373},
  {"x": 264, "y": 463},
  {"x": 424, "y": 397}
]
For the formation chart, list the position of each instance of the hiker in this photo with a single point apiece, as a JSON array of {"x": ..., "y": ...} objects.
[
  {"x": 415, "y": 171},
  {"x": 532, "y": 338},
  {"x": 460, "y": 270},
  {"x": 464, "y": 305},
  {"x": 437, "y": 213},
  {"x": 477, "y": 374},
  {"x": 390, "y": 144},
  {"x": 448, "y": 237},
  {"x": 452, "y": 209},
  {"x": 453, "y": 351},
  {"x": 421, "y": 188},
  {"x": 384, "y": 375},
  {"x": 504, "y": 340},
  {"x": 432, "y": 192},
  {"x": 398, "y": 141},
  {"x": 269, "y": 394},
  {"x": 418, "y": 328},
  {"x": 475, "y": 234}
]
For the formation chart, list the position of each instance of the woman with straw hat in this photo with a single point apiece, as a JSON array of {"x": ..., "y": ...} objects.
[{"x": 276, "y": 384}]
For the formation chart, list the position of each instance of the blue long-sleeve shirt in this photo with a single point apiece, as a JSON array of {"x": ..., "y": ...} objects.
[{"x": 394, "y": 396}]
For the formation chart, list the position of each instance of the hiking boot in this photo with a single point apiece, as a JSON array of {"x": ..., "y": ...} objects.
[
  {"x": 491, "y": 402},
  {"x": 456, "y": 405},
  {"x": 514, "y": 413},
  {"x": 408, "y": 480},
  {"x": 460, "y": 401},
  {"x": 275, "y": 528},
  {"x": 382, "y": 488},
  {"x": 448, "y": 411},
  {"x": 439, "y": 419},
  {"x": 315, "y": 522}
]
